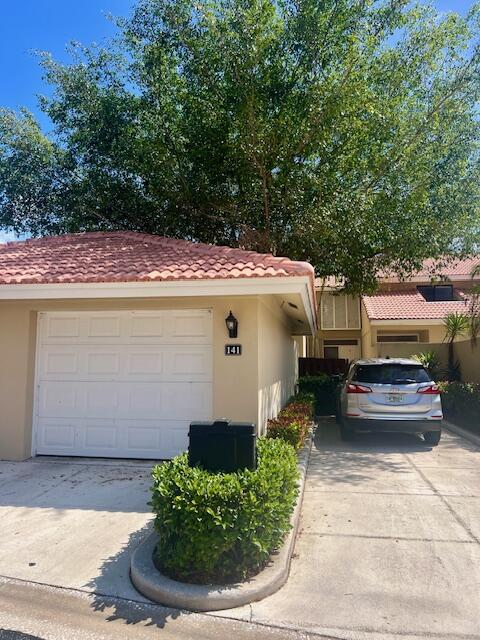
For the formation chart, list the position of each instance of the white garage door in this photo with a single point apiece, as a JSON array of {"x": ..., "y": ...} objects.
[{"x": 121, "y": 384}]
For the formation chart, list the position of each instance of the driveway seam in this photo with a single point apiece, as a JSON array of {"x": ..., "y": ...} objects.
[
  {"x": 377, "y": 493},
  {"x": 452, "y": 511},
  {"x": 368, "y": 537},
  {"x": 393, "y": 493}
]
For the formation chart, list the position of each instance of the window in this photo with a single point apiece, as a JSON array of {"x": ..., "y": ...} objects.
[
  {"x": 341, "y": 342},
  {"x": 340, "y": 311},
  {"x": 397, "y": 338},
  {"x": 390, "y": 374},
  {"x": 437, "y": 292}
]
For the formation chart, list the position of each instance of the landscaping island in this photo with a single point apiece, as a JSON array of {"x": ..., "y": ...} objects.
[{"x": 224, "y": 539}]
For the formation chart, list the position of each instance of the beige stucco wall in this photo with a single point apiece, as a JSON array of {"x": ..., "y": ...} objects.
[
  {"x": 368, "y": 344},
  {"x": 261, "y": 377},
  {"x": 469, "y": 357},
  {"x": 277, "y": 360},
  {"x": 407, "y": 350},
  {"x": 17, "y": 348}
]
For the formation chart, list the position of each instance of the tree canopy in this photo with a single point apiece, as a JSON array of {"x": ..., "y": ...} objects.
[{"x": 343, "y": 132}]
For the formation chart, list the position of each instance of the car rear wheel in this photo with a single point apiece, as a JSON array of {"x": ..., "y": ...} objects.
[
  {"x": 338, "y": 414},
  {"x": 432, "y": 437}
]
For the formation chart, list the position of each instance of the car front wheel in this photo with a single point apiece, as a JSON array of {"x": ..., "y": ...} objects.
[{"x": 432, "y": 437}]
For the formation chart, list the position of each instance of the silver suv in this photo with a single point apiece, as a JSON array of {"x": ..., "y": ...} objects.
[{"x": 391, "y": 394}]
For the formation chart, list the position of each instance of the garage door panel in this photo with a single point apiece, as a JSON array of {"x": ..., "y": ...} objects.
[
  {"x": 139, "y": 327},
  {"x": 122, "y": 384},
  {"x": 187, "y": 400},
  {"x": 101, "y": 400},
  {"x": 171, "y": 401},
  {"x": 104, "y": 326},
  {"x": 153, "y": 439},
  {"x": 56, "y": 435},
  {"x": 60, "y": 362},
  {"x": 169, "y": 437},
  {"x": 145, "y": 363},
  {"x": 99, "y": 435},
  {"x": 60, "y": 327},
  {"x": 190, "y": 325},
  {"x": 125, "y": 362},
  {"x": 188, "y": 364},
  {"x": 60, "y": 400},
  {"x": 103, "y": 363},
  {"x": 143, "y": 438},
  {"x": 150, "y": 400},
  {"x": 147, "y": 326}
]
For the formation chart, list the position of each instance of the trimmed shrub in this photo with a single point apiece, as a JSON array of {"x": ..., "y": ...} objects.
[
  {"x": 222, "y": 527},
  {"x": 461, "y": 403},
  {"x": 304, "y": 397},
  {"x": 287, "y": 429},
  {"x": 323, "y": 387},
  {"x": 293, "y": 422}
]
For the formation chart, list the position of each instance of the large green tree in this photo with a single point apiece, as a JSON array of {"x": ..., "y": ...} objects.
[{"x": 344, "y": 132}]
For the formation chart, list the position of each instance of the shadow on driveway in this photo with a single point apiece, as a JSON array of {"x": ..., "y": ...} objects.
[
  {"x": 9, "y": 634},
  {"x": 367, "y": 457},
  {"x": 131, "y": 607}
]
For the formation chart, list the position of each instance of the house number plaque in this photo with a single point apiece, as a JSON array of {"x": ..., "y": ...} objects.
[{"x": 233, "y": 349}]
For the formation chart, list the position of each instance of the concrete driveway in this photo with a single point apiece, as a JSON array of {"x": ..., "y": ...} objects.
[
  {"x": 388, "y": 544},
  {"x": 73, "y": 523}
]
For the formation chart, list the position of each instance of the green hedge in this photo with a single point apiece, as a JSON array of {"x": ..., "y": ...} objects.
[
  {"x": 323, "y": 387},
  {"x": 222, "y": 527},
  {"x": 461, "y": 403}
]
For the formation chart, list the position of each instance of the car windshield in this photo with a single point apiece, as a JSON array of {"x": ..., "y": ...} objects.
[{"x": 390, "y": 373}]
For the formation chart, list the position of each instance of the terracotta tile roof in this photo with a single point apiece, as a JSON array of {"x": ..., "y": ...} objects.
[
  {"x": 127, "y": 256},
  {"x": 410, "y": 305},
  {"x": 456, "y": 269}
]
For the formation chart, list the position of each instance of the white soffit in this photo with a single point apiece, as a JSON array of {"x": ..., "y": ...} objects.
[{"x": 181, "y": 288}]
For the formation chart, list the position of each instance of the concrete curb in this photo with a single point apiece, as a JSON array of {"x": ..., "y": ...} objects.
[
  {"x": 151, "y": 583},
  {"x": 459, "y": 431}
]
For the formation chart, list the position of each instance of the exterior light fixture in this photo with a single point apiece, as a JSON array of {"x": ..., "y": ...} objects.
[{"x": 232, "y": 325}]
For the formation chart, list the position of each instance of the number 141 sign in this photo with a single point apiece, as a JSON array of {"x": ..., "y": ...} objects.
[{"x": 233, "y": 349}]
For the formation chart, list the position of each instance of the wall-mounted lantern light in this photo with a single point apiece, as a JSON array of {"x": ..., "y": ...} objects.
[{"x": 232, "y": 325}]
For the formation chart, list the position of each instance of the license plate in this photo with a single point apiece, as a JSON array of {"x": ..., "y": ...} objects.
[{"x": 395, "y": 398}]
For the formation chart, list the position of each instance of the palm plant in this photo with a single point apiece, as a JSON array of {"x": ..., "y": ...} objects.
[
  {"x": 430, "y": 361},
  {"x": 456, "y": 325},
  {"x": 474, "y": 309}
]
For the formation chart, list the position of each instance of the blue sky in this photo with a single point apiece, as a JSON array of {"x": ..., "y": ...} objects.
[{"x": 48, "y": 25}]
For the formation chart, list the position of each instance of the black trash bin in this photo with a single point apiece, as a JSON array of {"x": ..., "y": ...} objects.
[{"x": 222, "y": 446}]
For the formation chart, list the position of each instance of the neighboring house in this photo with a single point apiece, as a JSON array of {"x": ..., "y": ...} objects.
[
  {"x": 401, "y": 319},
  {"x": 112, "y": 343}
]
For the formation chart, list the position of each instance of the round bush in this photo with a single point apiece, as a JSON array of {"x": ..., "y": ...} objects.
[{"x": 222, "y": 527}]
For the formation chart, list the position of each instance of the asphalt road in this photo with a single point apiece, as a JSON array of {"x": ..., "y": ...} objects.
[{"x": 34, "y": 612}]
